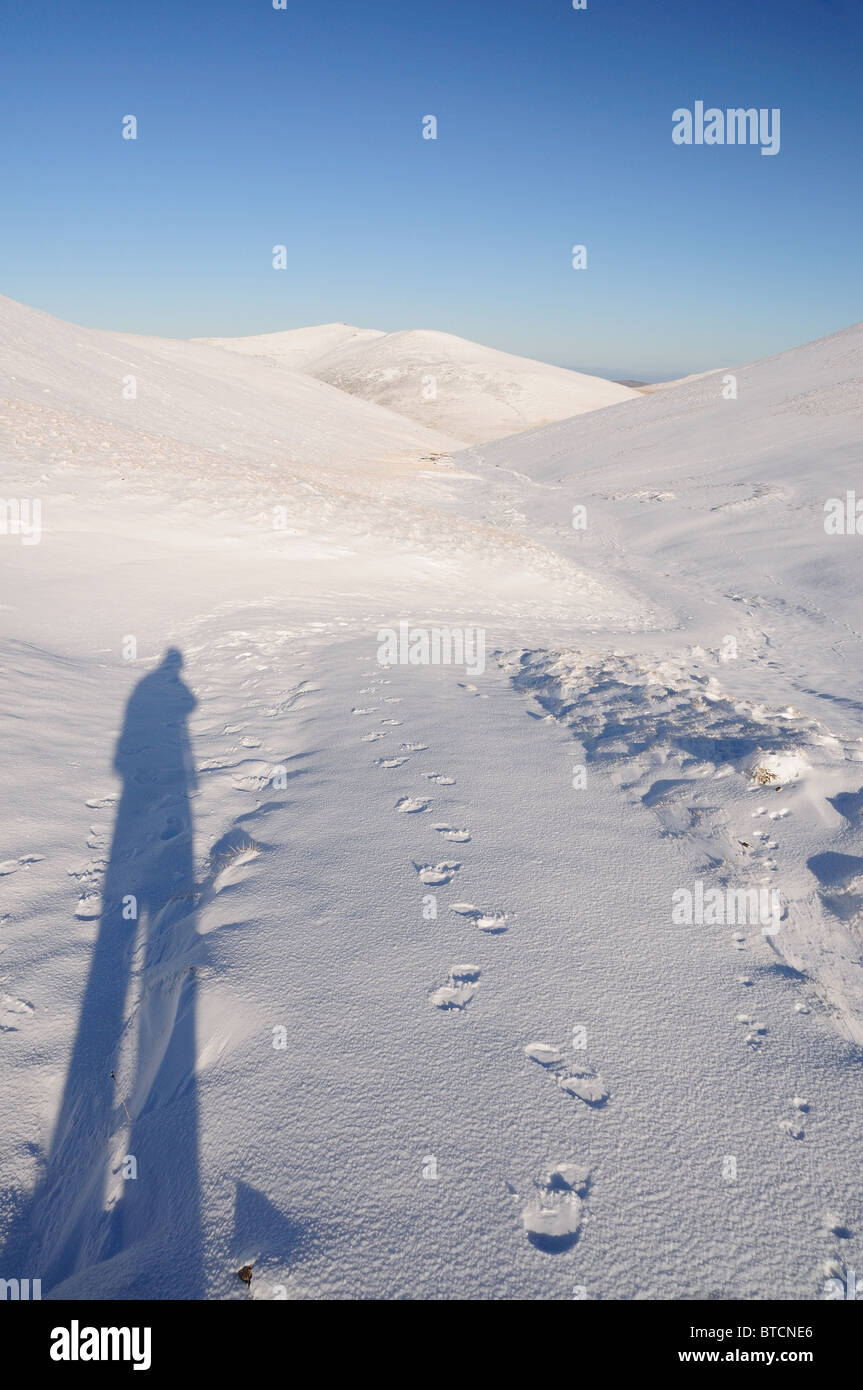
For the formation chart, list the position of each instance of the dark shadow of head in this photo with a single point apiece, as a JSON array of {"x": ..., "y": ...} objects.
[{"x": 153, "y": 747}]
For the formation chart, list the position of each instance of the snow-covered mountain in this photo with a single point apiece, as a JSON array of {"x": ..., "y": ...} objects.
[
  {"x": 378, "y": 972},
  {"x": 447, "y": 383},
  {"x": 200, "y": 396}
]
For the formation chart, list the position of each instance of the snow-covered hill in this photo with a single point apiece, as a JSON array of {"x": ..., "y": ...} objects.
[
  {"x": 200, "y": 396},
  {"x": 447, "y": 383},
  {"x": 298, "y": 348},
  {"x": 376, "y": 972},
  {"x": 711, "y": 503}
]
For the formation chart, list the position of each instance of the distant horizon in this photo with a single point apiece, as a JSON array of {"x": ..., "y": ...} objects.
[
  {"x": 624, "y": 375},
  {"x": 196, "y": 176}
]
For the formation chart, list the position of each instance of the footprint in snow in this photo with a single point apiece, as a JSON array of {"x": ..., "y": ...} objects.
[
  {"x": 411, "y": 805},
  {"x": 173, "y": 826},
  {"x": 573, "y": 1076},
  {"x": 552, "y": 1218},
  {"x": 757, "y": 1030},
  {"x": 370, "y": 738},
  {"x": 251, "y": 775},
  {"x": 394, "y": 722},
  {"x": 834, "y": 1225},
  {"x": 89, "y": 907},
  {"x": 794, "y": 1127},
  {"x": 460, "y": 988},
  {"x": 98, "y": 837},
  {"x": 440, "y": 778},
  {"x": 413, "y": 747},
  {"x": 487, "y": 921},
  {"x": 390, "y": 762},
  {"x": 13, "y": 1010},
  {"x": 459, "y": 834},
  {"x": 437, "y": 874},
  {"x": 10, "y": 865}
]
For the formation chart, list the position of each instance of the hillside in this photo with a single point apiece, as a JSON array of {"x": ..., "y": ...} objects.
[
  {"x": 472, "y": 392},
  {"x": 200, "y": 396}
]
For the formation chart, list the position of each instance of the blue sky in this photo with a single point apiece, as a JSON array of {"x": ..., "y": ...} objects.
[{"x": 303, "y": 127}]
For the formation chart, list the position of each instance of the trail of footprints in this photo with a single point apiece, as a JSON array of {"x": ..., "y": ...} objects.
[
  {"x": 552, "y": 1215},
  {"x": 694, "y": 727},
  {"x": 14, "y": 1011},
  {"x": 754, "y": 1030}
]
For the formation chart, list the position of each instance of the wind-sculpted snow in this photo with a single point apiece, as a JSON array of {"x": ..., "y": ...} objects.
[{"x": 753, "y": 789}]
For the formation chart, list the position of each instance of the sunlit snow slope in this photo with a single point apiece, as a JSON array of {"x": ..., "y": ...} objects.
[
  {"x": 198, "y": 395},
  {"x": 472, "y": 392},
  {"x": 711, "y": 501}
]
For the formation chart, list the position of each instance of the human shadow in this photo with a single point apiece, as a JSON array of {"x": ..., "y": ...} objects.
[{"x": 119, "y": 1199}]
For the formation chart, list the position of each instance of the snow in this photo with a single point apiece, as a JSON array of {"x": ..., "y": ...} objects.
[
  {"x": 297, "y": 348},
  {"x": 406, "y": 1012},
  {"x": 199, "y": 396},
  {"x": 471, "y": 392}
]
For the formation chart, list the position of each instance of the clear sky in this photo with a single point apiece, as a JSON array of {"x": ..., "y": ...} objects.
[{"x": 303, "y": 127}]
